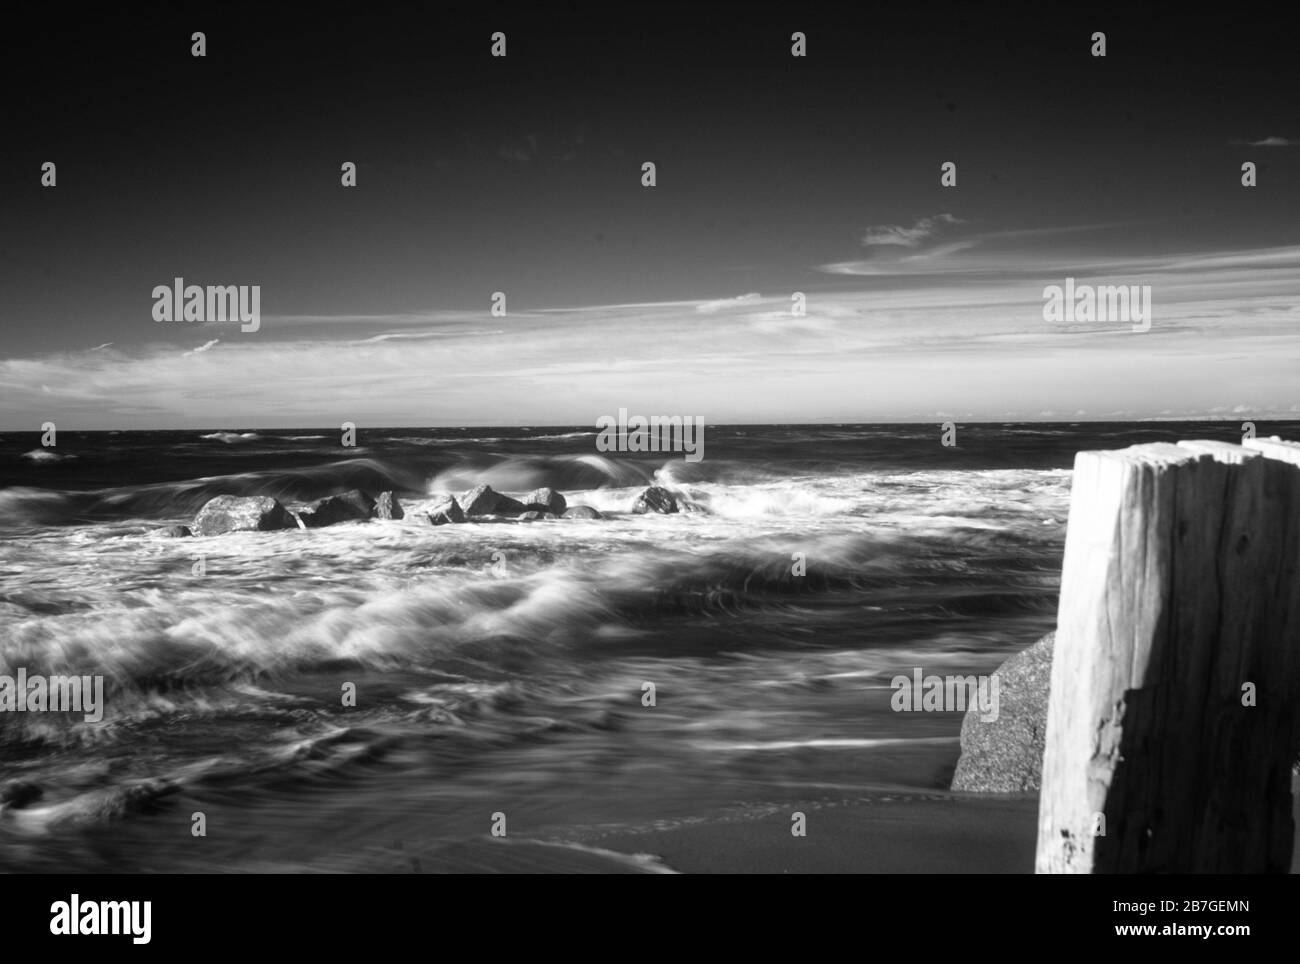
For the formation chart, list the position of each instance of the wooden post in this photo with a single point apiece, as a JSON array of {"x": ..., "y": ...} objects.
[{"x": 1172, "y": 722}]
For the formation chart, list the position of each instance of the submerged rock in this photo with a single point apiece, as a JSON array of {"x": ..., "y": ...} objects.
[
  {"x": 387, "y": 506},
  {"x": 582, "y": 512},
  {"x": 480, "y": 500},
  {"x": 544, "y": 500},
  {"x": 240, "y": 513},
  {"x": 446, "y": 511},
  {"x": 1006, "y": 755},
  {"x": 655, "y": 499},
  {"x": 533, "y": 515},
  {"x": 349, "y": 506},
  {"x": 176, "y": 532},
  {"x": 484, "y": 500}
]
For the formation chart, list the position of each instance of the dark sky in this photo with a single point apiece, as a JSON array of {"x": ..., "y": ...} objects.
[{"x": 522, "y": 174}]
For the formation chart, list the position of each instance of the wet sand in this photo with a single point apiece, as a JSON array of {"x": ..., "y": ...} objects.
[{"x": 887, "y": 834}]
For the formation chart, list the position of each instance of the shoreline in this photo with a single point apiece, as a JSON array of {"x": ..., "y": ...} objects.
[{"x": 891, "y": 833}]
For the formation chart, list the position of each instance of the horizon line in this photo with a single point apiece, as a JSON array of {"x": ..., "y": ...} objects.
[{"x": 1160, "y": 419}]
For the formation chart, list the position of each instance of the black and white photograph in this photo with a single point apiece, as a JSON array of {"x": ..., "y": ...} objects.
[{"x": 650, "y": 439}]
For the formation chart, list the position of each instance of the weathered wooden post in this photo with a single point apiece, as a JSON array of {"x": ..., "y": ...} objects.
[{"x": 1172, "y": 722}]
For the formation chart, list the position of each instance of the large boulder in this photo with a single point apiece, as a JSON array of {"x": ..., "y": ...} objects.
[
  {"x": 480, "y": 500},
  {"x": 241, "y": 513},
  {"x": 582, "y": 512},
  {"x": 655, "y": 499},
  {"x": 349, "y": 506},
  {"x": 1006, "y": 755},
  {"x": 484, "y": 500},
  {"x": 387, "y": 506},
  {"x": 544, "y": 500},
  {"x": 446, "y": 511}
]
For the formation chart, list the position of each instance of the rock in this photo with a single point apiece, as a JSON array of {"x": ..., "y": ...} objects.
[
  {"x": 447, "y": 511},
  {"x": 655, "y": 499},
  {"x": 544, "y": 500},
  {"x": 176, "y": 532},
  {"x": 480, "y": 500},
  {"x": 484, "y": 500},
  {"x": 239, "y": 513},
  {"x": 19, "y": 793},
  {"x": 582, "y": 512},
  {"x": 1006, "y": 755},
  {"x": 387, "y": 507},
  {"x": 533, "y": 515},
  {"x": 348, "y": 506}
]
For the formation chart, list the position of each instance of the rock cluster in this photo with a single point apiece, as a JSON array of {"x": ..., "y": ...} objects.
[{"x": 261, "y": 513}]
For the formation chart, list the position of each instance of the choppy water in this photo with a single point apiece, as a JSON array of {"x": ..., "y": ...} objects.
[{"x": 499, "y": 667}]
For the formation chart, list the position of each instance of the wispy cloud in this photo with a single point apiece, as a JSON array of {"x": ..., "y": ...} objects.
[
  {"x": 987, "y": 254},
  {"x": 708, "y": 307},
  {"x": 421, "y": 335},
  {"x": 898, "y": 235},
  {"x": 206, "y": 346},
  {"x": 422, "y": 318},
  {"x": 1276, "y": 142},
  {"x": 975, "y": 342}
]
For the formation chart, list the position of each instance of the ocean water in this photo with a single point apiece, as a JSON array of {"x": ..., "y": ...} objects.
[{"x": 499, "y": 667}]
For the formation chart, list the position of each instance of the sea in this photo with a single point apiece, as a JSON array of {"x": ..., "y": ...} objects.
[{"x": 390, "y": 696}]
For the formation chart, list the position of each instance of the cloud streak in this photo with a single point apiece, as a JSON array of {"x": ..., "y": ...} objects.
[
  {"x": 1222, "y": 336},
  {"x": 899, "y": 236},
  {"x": 709, "y": 307}
]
